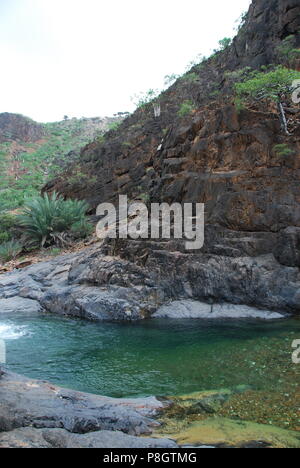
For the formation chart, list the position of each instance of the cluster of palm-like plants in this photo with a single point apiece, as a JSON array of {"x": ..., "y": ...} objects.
[{"x": 50, "y": 219}]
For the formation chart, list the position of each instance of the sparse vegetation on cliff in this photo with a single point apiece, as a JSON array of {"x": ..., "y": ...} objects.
[
  {"x": 283, "y": 150},
  {"x": 144, "y": 98},
  {"x": 224, "y": 43},
  {"x": 275, "y": 85},
  {"x": 268, "y": 85},
  {"x": 186, "y": 108},
  {"x": 287, "y": 50}
]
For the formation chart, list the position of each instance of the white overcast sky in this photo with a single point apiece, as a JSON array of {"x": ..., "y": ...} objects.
[{"x": 88, "y": 57}]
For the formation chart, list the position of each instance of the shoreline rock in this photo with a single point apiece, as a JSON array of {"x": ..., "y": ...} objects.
[
  {"x": 189, "y": 309},
  {"x": 40, "y": 404},
  {"x": 29, "y": 437},
  {"x": 37, "y": 414},
  {"x": 94, "y": 286}
]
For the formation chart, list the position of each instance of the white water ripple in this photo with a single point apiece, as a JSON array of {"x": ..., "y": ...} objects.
[{"x": 12, "y": 332}]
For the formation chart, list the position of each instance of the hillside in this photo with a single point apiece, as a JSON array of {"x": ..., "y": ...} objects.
[
  {"x": 31, "y": 153},
  {"x": 208, "y": 146}
]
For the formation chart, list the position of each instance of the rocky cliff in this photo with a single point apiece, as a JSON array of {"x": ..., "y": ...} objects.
[
  {"x": 222, "y": 156},
  {"x": 126, "y": 157},
  {"x": 15, "y": 127}
]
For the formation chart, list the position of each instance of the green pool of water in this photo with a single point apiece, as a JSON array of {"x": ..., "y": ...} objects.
[{"x": 159, "y": 357}]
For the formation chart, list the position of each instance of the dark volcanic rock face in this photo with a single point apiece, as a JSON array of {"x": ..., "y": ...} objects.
[
  {"x": 124, "y": 162},
  {"x": 259, "y": 281},
  {"x": 268, "y": 22},
  {"x": 15, "y": 127},
  {"x": 220, "y": 156},
  {"x": 97, "y": 286}
]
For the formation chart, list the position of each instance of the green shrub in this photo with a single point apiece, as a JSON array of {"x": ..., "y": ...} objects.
[
  {"x": 190, "y": 77},
  {"x": 224, "y": 44},
  {"x": 4, "y": 236},
  {"x": 271, "y": 85},
  {"x": 100, "y": 139},
  {"x": 7, "y": 222},
  {"x": 287, "y": 49},
  {"x": 142, "y": 99},
  {"x": 239, "y": 75},
  {"x": 276, "y": 86},
  {"x": 114, "y": 125},
  {"x": 240, "y": 22},
  {"x": 240, "y": 104},
  {"x": 145, "y": 197},
  {"x": 46, "y": 218},
  {"x": 82, "y": 229},
  {"x": 170, "y": 79},
  {"x": 186, "y": 108},
  {"x": 80, "y": 177},
  {"x": 9, "y": 251},
  {"x": 54, "y": 252},
  {"x": 283, "y": 150}
]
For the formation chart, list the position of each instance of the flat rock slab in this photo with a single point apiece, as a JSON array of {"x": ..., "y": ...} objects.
[
  {"x": 19, "y": 304},
  {"x": 223, "y": 432},
  {"x": 188, "y": 309},
  {"x": 243, "y": 311},
  {"x": 184, "y": 309},
  {"x": 29, "y": 437},
  {"x": 26, "y": 402}
]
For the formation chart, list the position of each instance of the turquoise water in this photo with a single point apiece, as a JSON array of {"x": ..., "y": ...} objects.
[{"x": 159, "y": 357}]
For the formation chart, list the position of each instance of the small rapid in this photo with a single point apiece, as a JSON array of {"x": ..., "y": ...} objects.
[{"x": 10, "y": 331}]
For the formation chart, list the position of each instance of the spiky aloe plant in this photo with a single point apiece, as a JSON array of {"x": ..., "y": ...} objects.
[{"x": 46, "y": 218}]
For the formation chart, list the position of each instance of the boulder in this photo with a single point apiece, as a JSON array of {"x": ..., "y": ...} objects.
[
  {"x": 19, "y": 304},
  {"x": 90, "y": 303}
]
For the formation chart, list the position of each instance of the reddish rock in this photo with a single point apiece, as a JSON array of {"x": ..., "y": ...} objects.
[{"x": 218, "y": 155}]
